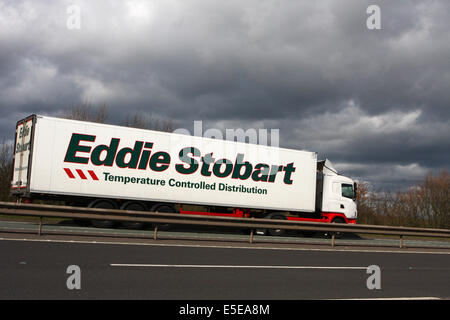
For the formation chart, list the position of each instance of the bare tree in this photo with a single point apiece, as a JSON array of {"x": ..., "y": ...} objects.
[
  {"x": 141, "y": 120},
  {"x": 436, "y": 199},
  {"x": 145, "y": 121},
  {"x": 364, "y": 198},
  {"x": 86, "y": 112},
  {"x": 6, "y": 169},
  {"x": 423, "y": 205}
]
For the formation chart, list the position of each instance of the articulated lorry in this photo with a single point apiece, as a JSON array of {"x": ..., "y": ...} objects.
[{"x": 114, "y": 167}]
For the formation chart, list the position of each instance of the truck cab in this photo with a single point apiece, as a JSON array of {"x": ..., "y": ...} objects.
[{"x": 336, "y": 194}]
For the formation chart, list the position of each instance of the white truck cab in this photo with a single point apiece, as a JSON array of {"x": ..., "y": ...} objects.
[{"x": 338, "y": 193}]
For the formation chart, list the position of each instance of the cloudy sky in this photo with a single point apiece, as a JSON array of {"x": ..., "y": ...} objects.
[{"x": 375, "y": 102}]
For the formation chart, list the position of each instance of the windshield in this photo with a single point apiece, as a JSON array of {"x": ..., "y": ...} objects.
[{"x": 347, "y": 191}]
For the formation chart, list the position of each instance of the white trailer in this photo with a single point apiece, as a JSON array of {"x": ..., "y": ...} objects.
[{"x": 107, "y": 166}]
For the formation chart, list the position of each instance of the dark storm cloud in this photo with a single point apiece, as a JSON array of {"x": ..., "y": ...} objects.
[{"x": 367, "y": 98}]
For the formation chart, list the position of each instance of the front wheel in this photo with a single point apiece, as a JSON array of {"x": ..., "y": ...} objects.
[
  {"x": 337, "y": 234},
  {"x": 308, "y": 234}
]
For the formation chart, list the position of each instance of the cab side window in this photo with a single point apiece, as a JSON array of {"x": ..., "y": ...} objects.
[{"x": 347, "y": 191}]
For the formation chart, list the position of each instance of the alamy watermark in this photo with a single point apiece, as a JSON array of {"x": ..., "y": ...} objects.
[
  {"x": 374, "y": 280},
  {"x": 74, "y": 280},
  {"x": 73, "y": 21},
  {"x": 264, "y": 138},
  {"x": 373, "y": 22},
  {"x": 251, "y": 135}
]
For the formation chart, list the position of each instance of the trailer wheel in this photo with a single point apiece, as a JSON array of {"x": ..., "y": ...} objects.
[
  {"x": 134, "y": 206},
  {"x": 162, "y": 207},
  {"x": 276, "y": 232},
  {"x": 79, "y": 221},
  {"x": 103, "y": 204}
]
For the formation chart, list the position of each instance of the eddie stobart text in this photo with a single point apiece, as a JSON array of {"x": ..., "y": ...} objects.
[{"x": 82, "y": 150}]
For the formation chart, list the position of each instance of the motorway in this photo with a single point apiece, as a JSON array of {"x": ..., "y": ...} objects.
[{"x": 33, "y": 267}]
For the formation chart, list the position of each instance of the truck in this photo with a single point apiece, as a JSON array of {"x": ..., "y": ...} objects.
[{"x": 106, "y": 166}]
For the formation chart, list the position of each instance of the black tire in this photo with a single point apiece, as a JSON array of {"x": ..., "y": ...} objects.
[
  {"x": 79, "y": 221},
  {"x": 134, "y": 206},
  {"x": 82, "y": 222},
  {"x": 308, "y": 233},
  {"x": 337, "y": 235},
  {"x": 103, "y": 204},
  {"x": 276, "y": 232},
  {"x": 162, "y": 207}
]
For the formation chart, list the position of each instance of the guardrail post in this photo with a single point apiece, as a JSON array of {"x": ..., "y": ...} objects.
[
  {"x": 40, "y": 226},
  {"x": 155, "y": 233},
  {"x": 401, "y": 241},
  {"x": 251, "y": 233},
  {"x": 332, "y": 239}
]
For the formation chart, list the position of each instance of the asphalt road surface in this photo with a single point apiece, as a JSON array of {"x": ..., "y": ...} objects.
[{"x": 38, "y": 269}]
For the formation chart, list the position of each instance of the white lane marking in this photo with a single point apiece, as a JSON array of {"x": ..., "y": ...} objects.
[
  {"x": 221, "y": 247},
  {"x": 232, "y": 266},
  {"x": 396, "y": 298}
]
